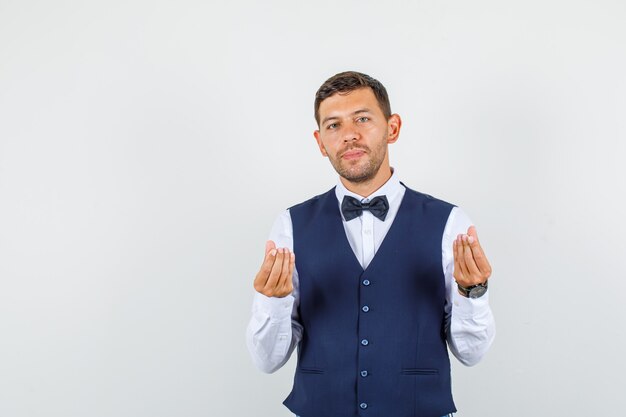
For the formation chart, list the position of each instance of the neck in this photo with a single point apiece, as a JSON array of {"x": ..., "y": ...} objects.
[{"x": 366, "y": 188}]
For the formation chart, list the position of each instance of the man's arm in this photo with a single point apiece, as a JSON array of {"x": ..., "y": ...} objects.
[
  {"x": 470, "y": 325},
  {"x": 274, "y": 329}
]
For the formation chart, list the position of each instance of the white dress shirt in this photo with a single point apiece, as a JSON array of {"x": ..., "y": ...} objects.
[{"x": 275, "y": 329}]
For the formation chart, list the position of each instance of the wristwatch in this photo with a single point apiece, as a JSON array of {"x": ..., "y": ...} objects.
[{"x": 474, "y": 291}]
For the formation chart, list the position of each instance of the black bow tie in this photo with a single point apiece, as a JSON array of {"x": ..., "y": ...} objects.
[{"x": 353, "y": 208}]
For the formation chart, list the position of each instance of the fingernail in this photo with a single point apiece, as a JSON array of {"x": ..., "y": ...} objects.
[
  {"x": 470, "y": 239},
  {"x": 273, "y": 252}
]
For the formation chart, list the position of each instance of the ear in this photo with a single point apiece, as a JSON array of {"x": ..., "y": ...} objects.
[
  {"x": 393, "y": 126},
  {"x": 319, "y": 143}
]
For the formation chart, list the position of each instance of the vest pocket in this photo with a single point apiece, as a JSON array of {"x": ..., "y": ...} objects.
[
  {"x": 310, "y": 370},
  {"x": 419, "y": 371}
]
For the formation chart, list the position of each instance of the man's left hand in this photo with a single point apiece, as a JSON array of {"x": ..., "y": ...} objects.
[{"x": 471, "y": 266}]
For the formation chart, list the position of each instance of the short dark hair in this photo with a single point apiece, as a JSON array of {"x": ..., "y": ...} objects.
[{"x": 348, "y": 81}]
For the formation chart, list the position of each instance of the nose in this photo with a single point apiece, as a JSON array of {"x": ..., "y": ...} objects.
[{"x": 351, "y": 134}]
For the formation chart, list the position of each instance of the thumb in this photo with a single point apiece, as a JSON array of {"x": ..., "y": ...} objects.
[
  {"x": 269, "y": 245},
  {"x": 472, "y": 232}
]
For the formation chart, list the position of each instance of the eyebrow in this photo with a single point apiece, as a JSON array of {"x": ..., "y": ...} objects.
[{"x": 354, "y": 113}]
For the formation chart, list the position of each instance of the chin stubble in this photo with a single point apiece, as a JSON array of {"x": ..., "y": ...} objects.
[{"x": 365, "y": 174}]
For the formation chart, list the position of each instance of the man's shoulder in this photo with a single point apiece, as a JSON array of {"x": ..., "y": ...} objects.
[
  {"x": 313, "y": 200},
  {"x": 427, "y": 199}
]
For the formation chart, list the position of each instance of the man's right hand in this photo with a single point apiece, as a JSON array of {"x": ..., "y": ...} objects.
[{"x": 274, "y": 279}]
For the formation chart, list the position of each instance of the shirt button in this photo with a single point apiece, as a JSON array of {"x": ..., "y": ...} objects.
[
  {"x": 365, "y": 342},
  {"x": 365, "y": 309},
  {"x": 367, "y": 231},
  {"x": 366, "y": 282},
  {"x": 363, "y": 405},
  {"x": 363, "y": 374}
]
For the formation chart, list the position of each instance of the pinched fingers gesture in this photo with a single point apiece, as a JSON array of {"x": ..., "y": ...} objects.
[
  {"x": 274, "y": 279},
  {"x": 471, "y": 266}
]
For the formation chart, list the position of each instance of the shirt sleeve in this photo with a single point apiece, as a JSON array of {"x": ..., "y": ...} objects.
[
  {"x": 274, "y": 329},
  {"x": 470, "y": 326}
]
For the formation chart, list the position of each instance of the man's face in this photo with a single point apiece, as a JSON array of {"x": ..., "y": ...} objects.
[{"x": 354, "y": 134}]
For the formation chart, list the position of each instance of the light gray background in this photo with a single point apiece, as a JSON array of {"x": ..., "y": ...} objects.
[{"x": 125, "y": 287}]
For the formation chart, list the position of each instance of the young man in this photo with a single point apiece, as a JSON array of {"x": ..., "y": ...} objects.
[{"x": 370, "y": 279}]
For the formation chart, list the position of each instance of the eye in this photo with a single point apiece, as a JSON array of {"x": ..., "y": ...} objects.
[
  {"x": 332, "y": 126},
  {"x": 363, "y": 119}
]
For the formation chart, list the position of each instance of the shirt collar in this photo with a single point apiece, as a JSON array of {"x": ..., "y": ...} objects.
[{"x": 392, "y": 188}]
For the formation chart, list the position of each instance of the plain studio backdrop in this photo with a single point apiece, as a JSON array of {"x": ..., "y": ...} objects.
[{"x": 146, "y": 148}]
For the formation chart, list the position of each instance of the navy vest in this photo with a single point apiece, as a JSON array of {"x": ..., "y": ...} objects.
[{"x": 374, "y": 341}]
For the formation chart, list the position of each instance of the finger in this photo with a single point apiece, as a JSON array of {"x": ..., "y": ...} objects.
[
  {"x": 479, "y": 255},
  {"x": 264, "y": 273},
  {"x": 463, "y": 272},
  {"x": 287, "y": 283},
  {"x": 292, "y": 266},
  {"x": 276, "y": 269},
  {"x": 285, "y": 270},
  {"x": 469, "y": 260},
  {"x": 461, "y": 257},
  {"x": 457, "y": 273}
]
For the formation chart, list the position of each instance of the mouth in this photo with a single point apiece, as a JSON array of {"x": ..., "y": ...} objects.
[{"x": 353, "y": 154}]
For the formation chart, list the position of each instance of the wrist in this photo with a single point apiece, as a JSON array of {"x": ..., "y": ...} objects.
[{"x": 473, "y": 291}]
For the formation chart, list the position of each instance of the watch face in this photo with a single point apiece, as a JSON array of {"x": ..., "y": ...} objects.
[{"x": 477, "y": 291}]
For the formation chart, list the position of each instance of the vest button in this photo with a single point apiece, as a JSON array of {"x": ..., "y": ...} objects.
[
  {"x": 365, "y": 342},
  {"x": 363, "y": 374},
  {"x": 365, "y": 309},
  {"x": 363, "y": 405},
  {"x": 366, "y": 282}
]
